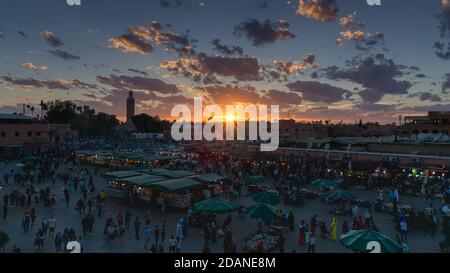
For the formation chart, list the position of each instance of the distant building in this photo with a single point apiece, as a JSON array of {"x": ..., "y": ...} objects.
[
  {"x": 128, "y": 127},
  {"x": 130, "y": 106},
  {"x": 20, "y": 131},
  {"x": 17, "y": 130},
  {"x": 434, "y": 122}
]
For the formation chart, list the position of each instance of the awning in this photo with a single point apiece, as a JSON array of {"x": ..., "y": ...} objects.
[
  {"x": 141, "y": 180},
  {"x": 121, "y": 174},
  {"x": 174, "y": 185},
  {"x": 210, "y": 178},
  {"x": 177, "y": 174}
]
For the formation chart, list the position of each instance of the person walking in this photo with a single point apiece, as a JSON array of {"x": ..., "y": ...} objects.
[
  {"x": 148, "y": 233},
  {"x": 404, "y": 230},
  {"x": 137, "y": 227},
  {"x": 333, "y": 230}
]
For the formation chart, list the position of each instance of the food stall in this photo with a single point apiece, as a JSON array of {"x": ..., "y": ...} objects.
[
  {"x": 116, "y": 188},
  {"x": 136, "y": 185},
  {"x": 213, "y": 183},
  {"x": 179, "y": 193}
]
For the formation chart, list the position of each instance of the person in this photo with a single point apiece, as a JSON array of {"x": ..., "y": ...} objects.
[
  {"x": 157, "y": 233},
  {"x": 4, "y": 239},
  {"x": 312, "y": 244},
  {"x": 345, "y": 227},
  {"x": 291, "y": 220},
  {"x": 355, "y": 211},
  {"x": 313, "y": 224},
  {"x": 51, "y": 226},
  {"x": 148, "y": 233},
  {"x": 333, "y": 230},
  {"x": 172, "y": 244},
  {"x": 137, "y": 227},
  {"x": 163, "y": 232},
  {"x": 127, "y": 218},
  {"x": 206, "y": 249},
  {"x": 403, "y": 230},
  {"x": 178, "y": 246},
  {"x": 58, "y": 242},
  {"x": 324, "y": 233},
  {"x": 301, "y": 233}
]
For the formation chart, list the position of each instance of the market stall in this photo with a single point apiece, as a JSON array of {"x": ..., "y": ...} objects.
[
  {"x": 178, "y": 193},
  {"x": 213, "y": 183}
]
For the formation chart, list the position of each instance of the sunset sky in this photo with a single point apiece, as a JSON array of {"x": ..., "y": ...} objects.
[{"x": 317, "y": 59}]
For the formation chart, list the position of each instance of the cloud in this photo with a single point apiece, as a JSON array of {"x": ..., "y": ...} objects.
[
  {"x": 2, "y": 35},
  {"x": 446, "y": 84},
  {"x": 138, "y": 71},
  {"x": 130, "y": 43},
  {"x": 319, "y": 92},
  {"x": 354, "y": 32},
  {"x": 424, "y": 96},
  {"x": 227, "y": 49},
  {"x": 276, "y": 97},
  {"x": 443, "y": 47},
  {"x": 143, "y": 39},
  {"x": 33, "y": 67},
  {"x": 242, "y": 68},
  {"x": 230, "y": 94},
  {"x": 321, "y": 10},
  {"x": 52, "y": 39},
  {"x": 50, "y": 84},
  {"x": 23, "y": 34},
  {"x": 206, "y": 68},
  {"x": 139, "y": 83},
  {"x": 375, "y": 73},
  {"x": 280, "y": 70},
  {"x": 264, "y": 32},
  {"x": 66, "y": 56}
]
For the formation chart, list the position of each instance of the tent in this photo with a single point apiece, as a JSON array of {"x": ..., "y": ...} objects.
[
  {"x": 338, "y": 195},
  {"x": 267, "y": 197},
  {"x": 210, "y": 178},
  {"x": 324, "y": 183},
  {"x": 369, "y": 241},
  {"x": 177, "y": 174},
  {"x": 218, "y": 205},
  {"x": 261, "y": 211},
  {"x": 141, "y": 180},
  {"x": 174, "y": 185},
  {"x": 120, "y": 174}
]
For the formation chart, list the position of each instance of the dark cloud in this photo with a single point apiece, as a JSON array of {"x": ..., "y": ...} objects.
[
  {"x": 2, "y": 35},
  {"x": 227, "y": 49},
  {"x": 143, "y": 39},
  {"x": 230, "y": 94},
  {"x": 138, "y": 83},
  {"x": 52, "y": 39},
  {"x": 355, "y": 33},
  {"x": 376, "y": 73},
  {"x": 242, "y": 68},
  {"x": 50, "y": 84},
  {"x": 66, "y": 56},
  {"x": 443, "y": 47},
  {"x": 429, "y": 96},
  {"x": 321, "y": 10},
  {"x": 319, "y": 92},
  {"x": 137, "y": 71},
  {"x": 280, "y": 70},
  {"x": 281, "y": 98},
  {"x": 446, "y": 84},
  {"x": 206, "y": 68},
  {"x": 23, "y": 34},
  {"x": 264, "y": 32}
]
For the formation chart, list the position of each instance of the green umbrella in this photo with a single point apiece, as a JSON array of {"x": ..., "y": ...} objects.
[
  {"x": 267, "y": 197},
  {"x": 215, "y": 205},
  {"x": 324, "y": 183},
  {"x": 338, "y": 195},
  {"x": 369, "y": 241},
  {"x": 261, "y": 211}
]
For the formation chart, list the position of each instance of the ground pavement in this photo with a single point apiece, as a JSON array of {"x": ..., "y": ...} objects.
[{"x": 242, "y": 227}]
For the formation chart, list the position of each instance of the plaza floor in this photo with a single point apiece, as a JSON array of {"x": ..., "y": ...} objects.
[{"x": 242, "y": 227}]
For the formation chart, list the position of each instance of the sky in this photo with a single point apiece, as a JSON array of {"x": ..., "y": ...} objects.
[{"x": 338, "y": 60}]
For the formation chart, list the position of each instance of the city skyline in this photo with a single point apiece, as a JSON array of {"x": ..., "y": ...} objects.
[{"x": 318, "y": 60}]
